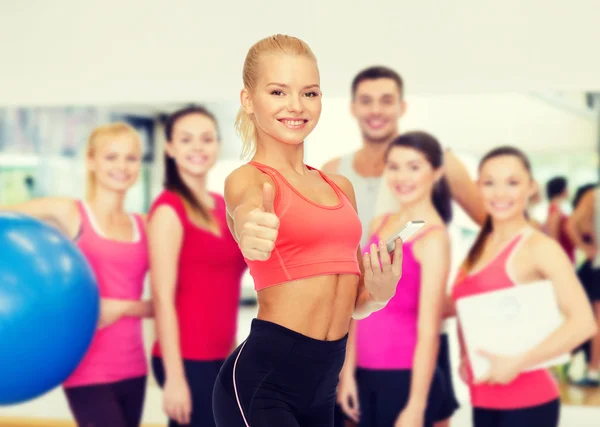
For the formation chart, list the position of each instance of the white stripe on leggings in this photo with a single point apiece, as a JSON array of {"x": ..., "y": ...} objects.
[{"x": 237, "y": 397}]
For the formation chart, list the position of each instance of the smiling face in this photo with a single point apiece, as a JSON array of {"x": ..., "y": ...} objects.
[
  {"x": 115, "y": 162},
  {"x": 506, "y": 186},
  {"x": 286, "y": 102},
  {"x": 194, "y": 144},
  {"x": 410, "y": 175},
  {"x": 377, "y": 106}
]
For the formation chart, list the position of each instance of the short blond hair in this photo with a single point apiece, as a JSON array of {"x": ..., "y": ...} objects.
[{"x": 244, "y": 123}]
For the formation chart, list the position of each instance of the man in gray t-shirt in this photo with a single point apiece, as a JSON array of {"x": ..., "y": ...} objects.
[{"x": 378, "y": 104}]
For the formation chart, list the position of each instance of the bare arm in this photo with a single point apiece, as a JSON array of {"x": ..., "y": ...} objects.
[
  {"x": 140, "y": 309},
  {"x": 60, "y": 212},
  {"x": 112, "y": 310},
  {"x": 553, "y": 225},
  {"x": 433, "y": 252},
  {"x": 350, "y": 360},
  {"x": 582, "y": 219},
  {"x": 463, "y": 188},
  {"x": 579, "y": 324},
  {"x": 165, "y": 236}
]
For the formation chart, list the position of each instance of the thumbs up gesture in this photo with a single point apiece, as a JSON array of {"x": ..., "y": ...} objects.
[{"x": 260, "y": 228}]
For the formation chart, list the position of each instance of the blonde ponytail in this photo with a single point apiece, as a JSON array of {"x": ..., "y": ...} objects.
[{"x": 246, "y": 129}]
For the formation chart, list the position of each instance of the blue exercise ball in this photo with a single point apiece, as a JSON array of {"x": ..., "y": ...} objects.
[{"x": 49, "y": 307}]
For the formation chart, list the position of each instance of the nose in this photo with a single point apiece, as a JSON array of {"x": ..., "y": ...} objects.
[
  {"x": 294, "y": 104},
  {"x": 499, "y": 192},
  {"x": 122, "y": 164},
  {"x": 375, "y": 108},
  {"x": 402, "y": 175},
  {"x": 197, "y": 145}
]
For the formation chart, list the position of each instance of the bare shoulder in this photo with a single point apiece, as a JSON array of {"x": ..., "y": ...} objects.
[
  {"x": 63, "y": 212},
  {"x": 242, "y": 181},
  {"x": 341, "y": 181},
  {"x": 66, "y": 206},
  {"x": 164, "y": 216},
  {"x": 539, "y": 245},
  {"x": 344, "y": 184},
  {"x": 244, "y": 177},
  {"x": 541, "y": 251},
  {"x": 332, "y": 166},
  {"x": 435, "y": 241}
]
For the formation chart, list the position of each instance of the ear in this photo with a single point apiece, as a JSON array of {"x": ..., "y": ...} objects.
[
  {"x": 403, "y": 108},
  {"x": 246, "y": 101},
  {"x": 533, "y": 188},
  {"x": 169, "y": 149}
]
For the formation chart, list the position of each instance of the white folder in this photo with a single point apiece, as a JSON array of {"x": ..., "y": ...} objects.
[{"x": 508, "y": 322}]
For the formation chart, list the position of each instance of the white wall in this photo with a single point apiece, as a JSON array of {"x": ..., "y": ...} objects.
[
  {"x": 467, "y": 123},
  {"x": 72, "y": 52}
]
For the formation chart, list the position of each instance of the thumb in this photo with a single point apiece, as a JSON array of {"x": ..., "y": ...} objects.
[{"x": 268, "y": 198}]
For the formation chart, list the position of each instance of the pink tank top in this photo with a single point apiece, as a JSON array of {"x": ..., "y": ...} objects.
[
  {"x": 528, "y": 389},
  {"x": 117, "y": 351},
  {"x": 387, "y": 338}
]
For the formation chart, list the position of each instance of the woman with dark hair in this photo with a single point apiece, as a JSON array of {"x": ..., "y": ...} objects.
[
  {"x": 196, "y": 271},
  {"x": 509, "y": 252},
  {"x": 391, "y": 377}
]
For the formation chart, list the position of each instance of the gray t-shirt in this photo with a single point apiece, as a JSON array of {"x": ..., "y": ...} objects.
[{"x": 373, "y": 197}]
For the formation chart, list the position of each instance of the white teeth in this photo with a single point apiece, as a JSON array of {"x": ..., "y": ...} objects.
[{"x": 293, "y": 122}]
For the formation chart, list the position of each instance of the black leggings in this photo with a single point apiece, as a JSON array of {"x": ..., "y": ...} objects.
[
  {"x": 546, "y": 415},
  {"x": 279, "y": 378},
  {"x": 449, "y": 403},
  {"x": 383, "y": 394},
  {"x": 200, "y": 376},
  {"x": 117, "y": 404}
]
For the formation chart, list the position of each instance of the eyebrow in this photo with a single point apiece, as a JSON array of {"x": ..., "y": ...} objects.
[
  {"x": 188, "y": 133},
  {"x": 383, "y": 95},
  {"x": 286, "y": 86}
]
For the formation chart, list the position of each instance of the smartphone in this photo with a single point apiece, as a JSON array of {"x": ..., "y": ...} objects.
[{"x": 409, "y": 229}]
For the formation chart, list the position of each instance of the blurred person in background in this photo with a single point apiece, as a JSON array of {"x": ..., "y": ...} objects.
[
  {"x": 556, "y": 222},
  {"x": 584, "y": 229},
  {"x": 109, "y": 385},
  {"x": 196, "y": 271}
]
